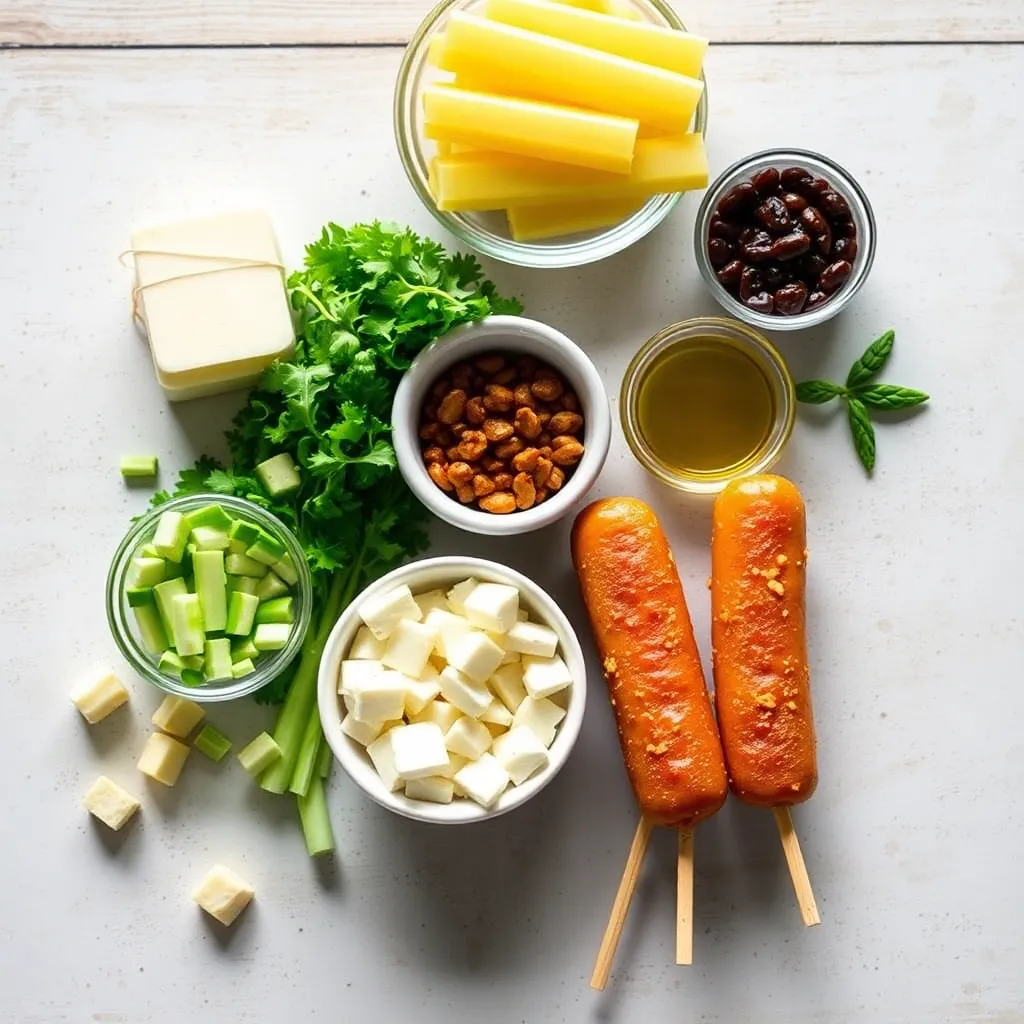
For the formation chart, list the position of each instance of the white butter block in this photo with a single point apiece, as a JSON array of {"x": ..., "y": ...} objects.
[
  {"x": 419, "y": 750},
  {"x": 497, "y": 714},
  {"x": 223, "y": 895},
  {"x": 162, "y": 758},
  {"x": 421, "y": 692},
  {"x": 366, "y": 647},
  {"x": 521, "y": 753},
  {"x": 469, "y": 697},
  {"x": 483, "y": 781},
  {"x": 541, "y": 716},
  {"x": 409, "y": 647},
  {"x": 449, "y": 627},
  {"x": 384, "y": 612},
  {"x": 383, "y": 757},
  {"x": 355, "y": 674},
  {"x": 440, "y": 712},
  {"x": 532, "y": 638},
  {"x": 435, "y": 789},
  {"x": 545, "y": 676},
  {"x": 363, "y": 733},
  {"x": 108, "y": 802},
  {"x": 430, "y": 600},
  {"x": 458, "y": 594},
  {"x": 507, "y": 684},
  {"x": 476, "y": 656},
  {"x": 492, "y": 606},
  {"x": 212, "y": 332},
  {"x": 468, "y": 738},
  {"x": 177, "y": 716},
  {"x": 98, "y": 694},
  {"x": 378, "y": 698}
]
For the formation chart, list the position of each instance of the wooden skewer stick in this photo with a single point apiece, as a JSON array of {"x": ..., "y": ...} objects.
[
  {"x": 797, "y": 868},
  {"x": 620, "y": 908},
  {"x": 684, "y": 899}
]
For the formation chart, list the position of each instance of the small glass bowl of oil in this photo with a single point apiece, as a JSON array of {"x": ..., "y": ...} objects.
[{"x": 705, "y": 401}]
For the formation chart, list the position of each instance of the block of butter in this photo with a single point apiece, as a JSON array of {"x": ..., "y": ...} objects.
[{"x": 212, "y": 299}]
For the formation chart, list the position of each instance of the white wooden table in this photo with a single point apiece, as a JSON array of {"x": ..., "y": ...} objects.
[{"x": 118, "y": 112}]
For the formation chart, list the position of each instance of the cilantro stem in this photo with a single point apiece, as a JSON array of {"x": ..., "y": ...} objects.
[
  {"x": 313, "y": 300},
  {"x": 426, "y": 289}
]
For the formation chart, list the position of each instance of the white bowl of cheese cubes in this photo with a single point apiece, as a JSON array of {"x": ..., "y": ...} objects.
[{"x": 452, "y": 690}]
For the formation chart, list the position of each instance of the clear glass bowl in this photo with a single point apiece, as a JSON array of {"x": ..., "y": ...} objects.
[
  {"x": 122, "y": 622},
  {"x": 746, "y": 340},
  {"x": 843, "y": 182},
  {"x": 488, "y": 232}
]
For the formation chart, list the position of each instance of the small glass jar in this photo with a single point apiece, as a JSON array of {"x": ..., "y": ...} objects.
[
  {"x": 842, "y": 181},
  {"x": 488, "y": 233},
  {"x": 700, "y": 331},
  {"x": 125, "y": 633}
]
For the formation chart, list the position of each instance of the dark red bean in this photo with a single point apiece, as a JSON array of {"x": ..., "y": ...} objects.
[
  {"x": 824, "y": 241},
  {"x": 794, "y": 203},
  {"x": 751, "y": 283},
  {"x": 811, "y": 267},
  {"x": 791, "y": 175},
  {"x": 766, "y": 182},
  {"x": 834, "y": 276},
  {"x": 775, "y": 275},
  {"x": 815, "y": 299},
  {"x": 845, "y": 249},
  {"x": 834, "y": 204},
  {"x": 844, "y": 228},
  {"x": 759, "y": 248},
  {"x": 747, "y": 235},
  {"x": 762, "y": 302},
  {"x": 720, "y": 252},
  {"x": 788, "y": 247},
  {"x": 790, "y": 300},
  {"x": 819, "y": 186},
  {"x": 813, "y": 221},
  {"x": 739, "y": 198},
  {"x": 726, "y": 229},
  {"x": 729, "y": 275},
  {"x": 772, "y": 213}
]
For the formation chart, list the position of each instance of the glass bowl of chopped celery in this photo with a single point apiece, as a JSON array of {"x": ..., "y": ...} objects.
[{"x": 209, "y": 597}]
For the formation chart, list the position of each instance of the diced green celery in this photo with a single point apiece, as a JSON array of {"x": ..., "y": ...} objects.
[
  {"x": 271, "y": 636},
  {"x": 286, "y": 570},
  {"x": 243, "y": 565},
  {"x": 242, "y": 610},
  {"x": 279, "y": 475},
  {"x": 211, "y": 587},
  {"x": 193, "y": 676},
  {"x": 209, "y": 515},
  {"x": 171, "y": 535},
  {"x": 244, "y": 584},
  {"x": 164, "y": 593},
  {"x": 139, "y": 596},
  {"x": 271, "y": 586},
  {"x": 174, "y": 570},
  {"x": 187, "y": 624},
  {"x": 151, "y": 629},
  {"x": 148, "y": 551},
  {"x": 280, "y": 609},
  {"x": 243, "y": 668},
  {"x": 244, "y": 648},
  {"x": 146, "y": 572},
  {"x": 138, "y": 465},
  {"x": 217, "y": 656},
  {"x": 266, "y": 549},
  {"x": 212, "y": 742},
  {"x": 171, "y": 664},
  {"x": 260, "y": 754},
  {"x": 245, "y": 533},
  {"x": 209, "y": 538},
  {"x": 193, "y": 661}
]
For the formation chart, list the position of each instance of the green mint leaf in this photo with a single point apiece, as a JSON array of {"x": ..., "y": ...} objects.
[
  {"x": 890, "y": 396},
  {"x": 817, "y": 392},
  {"x": 872, "y": 362},
  {"x": 863, "y": 432}
]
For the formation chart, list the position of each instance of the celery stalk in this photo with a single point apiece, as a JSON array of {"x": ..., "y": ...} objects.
[
  {"x": 316, "y": 822},
  {"x": 324, "y": 761},
  {"x": 309, "y": 753}
]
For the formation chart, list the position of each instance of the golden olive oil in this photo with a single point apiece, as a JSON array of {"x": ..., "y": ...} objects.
[{"x": 705, "y": 408}]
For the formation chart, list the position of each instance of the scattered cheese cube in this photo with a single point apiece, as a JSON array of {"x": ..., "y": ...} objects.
[
  {"x": 507, "y": 683},
  {"x": 430, "y": 600},
  {"x": 469, "y": 697},
  {"x": 378, "y": 698},
  {"x": 99, "y": 694},
  {"x": 532, "y": 638},
  {"x": 449, "y": 628},
  {"x": 520, "y": 753},
  {"x": 545, "y": 676},
  {"x": 541, "y": 715},
  {"x": 492, "y": 606},
  {"x": 177, "y": 716},
  {"x": 384, "y": 612},
  {"x": 435, "y": 789},
  {"x": 419, "y": 750},
  {"x": 440, "y": 712},
  {"x": 476, "y": 656},
  {"x": 458, "y": 594},
  {"x": 483, "y": 781},
  {"x": 409, "y": 647},
  {"x": 497, "y": 714},
  {"x": 355, "y": 674},
  {"x": 223, "y": 895},
  {"x": 107, "y": 801},
  {"x": 362, "y": 732},
  {"x": 366, "y": 647},
  {"x": 162, "y": 758},
  {"x": 383, "y": 757},
  {"x": 421, "y": 692},
  {"x": 468, "y": 737}
]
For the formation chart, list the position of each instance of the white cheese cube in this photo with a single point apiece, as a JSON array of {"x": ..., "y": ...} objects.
[
  {"x": 507, "y": 657},
  {"x": 455, "y": 762},
  {"x": 177, "y": 716},
  {"x": 497, "y": 714},
  {"x": 409, "y": 647},
  {"x": 468, "y": 738},
  {"x": 383, "y": 757},
  {"x": 476, "y": 656},
  {"x": 430, "y": 600},
  {"x": 495, "y": 729},
  {"x": 458, "y": 594},
  {"x": 379, "y": 698},
  {"x": 469, "y": 697},
  {"x": 383, "y": 613},
  {"x": 532, "y": 638},
  {"x": 541, "y": 715},
  {"x": 363, "y": 733},
  {"x": 107, "y": 801},
  {"x": 355, "y": 674},
  {"x": 507, "y": 684},
  {"x": 435, "y": 789},
  {"x": 98, "y": 694},
  {"x": 440, "y": 712},
  {"x": 162, "y": 758},
  {"x": 520, "y": 753},
  {"x": 449, "y": 627},
  {"x": 492, "y": 606},
  {"x": 366, "y": 647},
  {"x": 223, "y": 895},
  {"x": 545, "y": 676},
  {"x": 421, "y": 692},
  {"x": 419, "y": 750},
  {"x": 483, "y": 781}
]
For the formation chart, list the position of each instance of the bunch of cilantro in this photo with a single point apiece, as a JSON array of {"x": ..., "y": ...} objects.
[{"x": 369, "y": 299}]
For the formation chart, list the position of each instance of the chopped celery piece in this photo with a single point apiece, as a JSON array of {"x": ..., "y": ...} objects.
[
  {"x": 138, "y": 465},
  {"x": 242, "y": 610},
  {"x": 309, "y": 753},
  {"x": 212, "y": 742},
  {"x": 173, "y": 570},
  {"x": 187, "y": 624},
  {"x": 151, "y": 629},
  {"x": 193, "y": 661},
  {"x": 139, "y": 596},
  {"x": 244, "y": 584},
  {"x": 260, "y": 754},
  {"x": 146, "y": 572},
  {"x": 171, "y": 664},
  {"x": 316, "y": 822},
  {"x": 242, "y": 649},
  {"x": 271, "y": 586},
  {"x": 209, "y": 515},
  {"x": 280, "y": 609},
  {"x": 243, "y": 668},
  {"x": 193, "y": 676},
  {"x": 209, "y": 538},
  {"x": 148, "y": 551},
  {"x": 243, "y": 565},
  {"x": 217, "y": 656},
  {"x": 164, "y": 593},
  {"x": 171, "y": 535},
  {"x": 243, "y": 532},
  {"x": 286, "y": 570},
  {"x": 266, "y": 549},
  {"x": 279, "y": 475},
  {"x": 211, "y": 588},
  {"x": 271, "y": 636}
]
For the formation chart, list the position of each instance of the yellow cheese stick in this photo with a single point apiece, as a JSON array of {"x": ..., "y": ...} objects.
[
  {"x": 649, "y": 44},
  {"x": 530, "y": 64},
  {"x": 504, "y": 124},
  {"x": 533, "y": 223},
  {"x": 435, "y": 50},
  {"x": 497, "y": 181}
]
